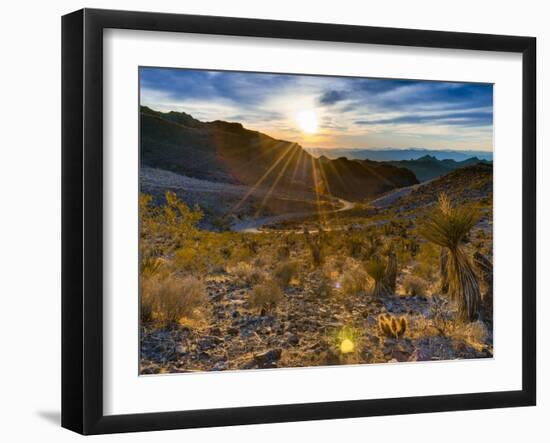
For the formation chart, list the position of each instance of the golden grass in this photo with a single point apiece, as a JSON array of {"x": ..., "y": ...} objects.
[
  {"x": 171, "y": 299},
  {"x": 266, "y": 295}
]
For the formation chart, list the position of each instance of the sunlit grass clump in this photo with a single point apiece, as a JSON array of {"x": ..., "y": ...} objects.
[
  {"x": 266, "y": 296},
  {"x": 286, "y": 271},
  {"x": 414, "y": 285},
  {"x": 169, "y": 299}
]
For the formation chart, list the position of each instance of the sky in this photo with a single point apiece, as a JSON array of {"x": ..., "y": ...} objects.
[{"x": 330, "y": 112}]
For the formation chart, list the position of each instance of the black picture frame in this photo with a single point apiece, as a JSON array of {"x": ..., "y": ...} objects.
[{"x": 82, "y": 218}]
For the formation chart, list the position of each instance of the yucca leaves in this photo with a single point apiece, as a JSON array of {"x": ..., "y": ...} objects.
[
  {"x": 377, "y": 270},
  {"x": 447, "y": 226}
]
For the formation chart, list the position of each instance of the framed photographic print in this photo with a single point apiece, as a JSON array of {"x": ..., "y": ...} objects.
[{"x": 269, "y": 221}]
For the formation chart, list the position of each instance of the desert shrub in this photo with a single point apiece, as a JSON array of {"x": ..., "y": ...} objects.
[
  {"x": 374, "y": 242},
  {"x": 283, "y": 252},
  {"x": 150, "y": 266},
  {"x": 323, "y": 286},
  {"x": 414, "y": 285},
  {"x": 173, "y": 220},
  {"x": 315, "y": 246},
  {"x": 266, "y": 295},
  {"x": 172, "y": 298},
  {"x": 247, "y": 273},
  {"x": 390, "y": 273},
  {"x": 376, "y": 269},
  {"x": 439, "y": 312},
  {"x": 354, "y": 280},
  {"x": 147, "y": 302},
  {"x": 391, "y": 326},
  {"x": 262, "y": 259},
  {"x": 285, "y": 271},
  {"x": 427, "y": 261},
  {"x": 447, "y": 226}
]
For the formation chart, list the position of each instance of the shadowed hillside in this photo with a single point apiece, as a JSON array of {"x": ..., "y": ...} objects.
[
  {"x": 429, "y": 167},
  {"x": 227, "y": 152}
]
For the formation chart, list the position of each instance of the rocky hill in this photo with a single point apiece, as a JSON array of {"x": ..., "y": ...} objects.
[{"x": 226, "y": 152}]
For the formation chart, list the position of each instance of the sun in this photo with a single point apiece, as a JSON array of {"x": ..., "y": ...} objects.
[{"x": 307, "y": 121}]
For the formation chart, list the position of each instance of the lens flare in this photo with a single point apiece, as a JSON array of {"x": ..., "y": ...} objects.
[{"x": 347, "y": 346}]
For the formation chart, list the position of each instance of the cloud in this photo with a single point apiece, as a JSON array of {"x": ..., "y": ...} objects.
[
  {"x": 364, "y": 111},
  {"x": 331, "y": 97},
  {"x": 457, "y": 118}
]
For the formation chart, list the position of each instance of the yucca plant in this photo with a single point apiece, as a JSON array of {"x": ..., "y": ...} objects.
[
  {"x": 150, "y": 266},
  {"x": 443, "y": 267},
  {"x": 485, "y": 268},
  {"x": 447, "y": 226},
  {"x": 377, "y": 270},
  {"x": 390, "y": 273},
  {"x": 315, "y": 244}
]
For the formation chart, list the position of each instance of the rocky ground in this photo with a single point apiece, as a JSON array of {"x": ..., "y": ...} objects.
[{"x": 303, "y": 331}]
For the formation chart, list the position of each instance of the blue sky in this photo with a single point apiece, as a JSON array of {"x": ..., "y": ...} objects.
[{"x": 323, "y": 111}]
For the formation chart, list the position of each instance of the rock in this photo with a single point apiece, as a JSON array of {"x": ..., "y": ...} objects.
[
  {"x": 181, "y": 349},
  {"x": 400, "y": 355},
  {"x": 204, "y": 355},
  {"x": 215, "y": 331},
  {"x": 233, "y": 331},
  {"x": 266, "y": 359},
  {"x": 221, "y": 365},
  {"x": 209, "y": 342},
  {"x": 332, "y": 358},
  {"x": 293, "y": 340}
]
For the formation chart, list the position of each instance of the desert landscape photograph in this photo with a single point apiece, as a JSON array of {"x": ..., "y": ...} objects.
[{"x": 291, "y": 221}]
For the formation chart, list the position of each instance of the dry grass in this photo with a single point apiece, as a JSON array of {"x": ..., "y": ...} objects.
[
  {"x": 248, "y": 273},
  {"x": 285, "y": 272},
  {"x": 266, "y": 295},
  {"x": 171, "y": 299},
  {"x": 354, "y": 280},
  {"x": 413, "y": 285}
]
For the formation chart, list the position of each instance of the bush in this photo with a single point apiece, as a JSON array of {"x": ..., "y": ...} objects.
[
  {"x": 170, "y": 299},
  {"x": 322, "y": 286},
  {"x": 248, "y": 273},
  {"x": 354, "y": 280},
  {"x": 413, "y": 285},
  {"x": 266, "y": 295},
  {"x": 285, "y": 272},
  {"x": 427, "y": 261}
]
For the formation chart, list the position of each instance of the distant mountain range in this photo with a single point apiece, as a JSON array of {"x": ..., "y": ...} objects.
[
  {"x": 429, "y": 167},
  {"x": 391, "y": 154},
  {"x": 227, "y": 152}
]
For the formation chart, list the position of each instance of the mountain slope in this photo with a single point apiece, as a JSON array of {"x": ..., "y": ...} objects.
[
  {"x": 227, "y": 152},
  {"x": 392, "y": 154},
  {"x": 429, "y": 167}
]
